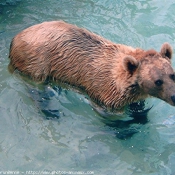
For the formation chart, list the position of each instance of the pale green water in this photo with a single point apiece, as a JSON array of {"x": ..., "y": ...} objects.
[{"x": 79, "y": 140}]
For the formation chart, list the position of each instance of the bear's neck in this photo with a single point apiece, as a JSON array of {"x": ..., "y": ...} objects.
[{"x": 116, "y": 100}]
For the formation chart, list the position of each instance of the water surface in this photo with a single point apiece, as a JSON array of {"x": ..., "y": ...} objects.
[{"x": 79, "y": 140}]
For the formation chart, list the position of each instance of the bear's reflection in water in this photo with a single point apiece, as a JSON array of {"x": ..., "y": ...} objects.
[
  {"x": 124, "y": 129},
  {"x": 137, "y": 116},
  {"x": 42, "y": 99}
]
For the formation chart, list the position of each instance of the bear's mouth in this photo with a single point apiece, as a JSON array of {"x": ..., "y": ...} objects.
[
  {"x": 173, "y": 99},
  {"x": 170, "y": 100}
]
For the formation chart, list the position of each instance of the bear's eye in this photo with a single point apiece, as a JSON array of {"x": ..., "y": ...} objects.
[{"x": 158, "y": 82}]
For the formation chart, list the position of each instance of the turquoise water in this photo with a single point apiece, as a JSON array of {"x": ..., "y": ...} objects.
[{"x": 79, "y": 140}]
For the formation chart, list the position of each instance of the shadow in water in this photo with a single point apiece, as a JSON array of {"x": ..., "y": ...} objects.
[
  {"x": 136, "y": 112},
  {"x": 42, "y": 99}
]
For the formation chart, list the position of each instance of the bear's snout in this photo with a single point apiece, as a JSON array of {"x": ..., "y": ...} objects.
[{"x": 173, "y": 98}]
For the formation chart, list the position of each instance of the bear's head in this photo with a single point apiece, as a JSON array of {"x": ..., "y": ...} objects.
[{"x": 155, "y": 75}]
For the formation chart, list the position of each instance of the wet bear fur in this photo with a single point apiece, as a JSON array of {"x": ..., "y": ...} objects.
[{"x": 113, "y": 75}]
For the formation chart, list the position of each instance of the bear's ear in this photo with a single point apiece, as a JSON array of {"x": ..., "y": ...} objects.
[
  {"x": 166, "y": 51},
  {"x": 130, "y": 64}
]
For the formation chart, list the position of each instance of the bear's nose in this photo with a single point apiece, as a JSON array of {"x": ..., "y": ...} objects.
[{"x": 173, "y": 98}]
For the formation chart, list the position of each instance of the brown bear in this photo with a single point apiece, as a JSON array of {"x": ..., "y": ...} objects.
[{"x": 113, "y": 75}]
